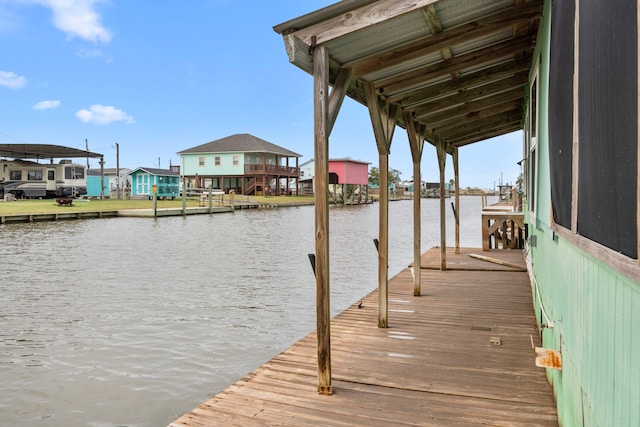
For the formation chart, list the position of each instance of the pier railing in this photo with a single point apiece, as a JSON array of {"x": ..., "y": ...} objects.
[{"x": 502, "y": 229}]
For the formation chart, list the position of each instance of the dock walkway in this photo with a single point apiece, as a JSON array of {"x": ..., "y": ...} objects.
[{"x": 460, "y": 355}]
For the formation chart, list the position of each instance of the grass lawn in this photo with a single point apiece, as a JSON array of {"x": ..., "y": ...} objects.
[{"x": 21, "y": 207}]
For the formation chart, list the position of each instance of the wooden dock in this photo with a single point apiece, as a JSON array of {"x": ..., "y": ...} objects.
[
  {"x": 506, "y": 260},
  {"x": 460, "y": 355},
  {"x": 144, "y": 213}
]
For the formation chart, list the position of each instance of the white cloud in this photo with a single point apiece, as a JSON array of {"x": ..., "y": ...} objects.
[
  {"x": 8, "y": 19},
  {"x": 78, "y": 18},
  {"x": 103, "y": 115},
  {"x": 12, "y": 80},
  {"x": 46, "y": 105},
  {"x": 90, "y": 53}
]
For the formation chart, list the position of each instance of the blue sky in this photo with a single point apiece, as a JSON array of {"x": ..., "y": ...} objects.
[{"x": 161, "y": 77}]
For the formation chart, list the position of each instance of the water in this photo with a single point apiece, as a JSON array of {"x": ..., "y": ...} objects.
[{"x": 135, "y": 321}]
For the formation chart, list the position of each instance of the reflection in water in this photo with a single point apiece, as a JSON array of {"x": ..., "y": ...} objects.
[{"x": 130, "y": 321}]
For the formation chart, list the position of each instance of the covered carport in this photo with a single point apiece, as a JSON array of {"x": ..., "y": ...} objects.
[
  {"x": 449, "y": 72},
  {"x": 40, "y": 152}
]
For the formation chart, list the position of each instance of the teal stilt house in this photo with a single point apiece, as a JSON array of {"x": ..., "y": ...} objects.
[{"x": 167, "y": 183}]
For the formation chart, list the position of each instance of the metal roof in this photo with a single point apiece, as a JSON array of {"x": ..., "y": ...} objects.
[
  {"x": 155, "y": 171},
  {"x": 240, "y": 143},
  {"x": 459, "y": 67},
  {"x": 348, "y": 160},
  {"x": 43, "y": 151}
]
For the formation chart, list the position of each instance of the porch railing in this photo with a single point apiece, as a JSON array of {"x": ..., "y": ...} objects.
[{"x": 259, "y": 169}]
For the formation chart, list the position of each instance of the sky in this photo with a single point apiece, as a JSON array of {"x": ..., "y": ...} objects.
[{"x": 160, "y": 77}]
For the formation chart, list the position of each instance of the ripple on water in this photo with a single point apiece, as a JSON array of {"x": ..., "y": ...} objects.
[{"x": 130, "y": 321}]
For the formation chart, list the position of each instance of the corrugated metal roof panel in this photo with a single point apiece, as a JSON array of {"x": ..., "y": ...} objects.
[
  {"x": 366, "y": 42},
  {"x": 458, "y": 12},
  {"x": 430, "y": 56}
]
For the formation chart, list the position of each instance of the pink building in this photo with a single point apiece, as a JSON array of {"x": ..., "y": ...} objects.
[{"x": 348, "y": 171}]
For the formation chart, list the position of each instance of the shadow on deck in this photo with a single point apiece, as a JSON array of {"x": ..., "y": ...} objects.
[{"x": 459, "y": 355}]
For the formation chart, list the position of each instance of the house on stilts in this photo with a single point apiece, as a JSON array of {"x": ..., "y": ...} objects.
[
  {"x": 348, "y": 180},
  {"x": 241, "y": 162}
]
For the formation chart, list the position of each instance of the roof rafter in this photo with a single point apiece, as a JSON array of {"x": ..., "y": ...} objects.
[
  {"x": 454, "y": 36},
  {"x": 485, "y": 134},
  {"x": 486, "y": 125},
  {"x": 460, "y": 69},
  {"x": 488, "y": 75},
  {"x": 358, "y": 19},
  {"x": 489, "y": 107},
  {"x": 401, "y": 82}
]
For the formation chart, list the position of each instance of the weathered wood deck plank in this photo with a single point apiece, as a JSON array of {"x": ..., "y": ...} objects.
[
  {"x": 434, "y": 365},
  {"x": 463, "y": 261}
]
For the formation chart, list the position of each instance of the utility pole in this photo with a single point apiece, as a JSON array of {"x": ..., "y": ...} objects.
[
  {"x": 117, "y": 171},
  {"x": 86, "y": 143}
]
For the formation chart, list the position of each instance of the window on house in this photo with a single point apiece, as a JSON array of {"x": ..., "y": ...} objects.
[
  {"x": 561, "y": 108},
  {"x": 236, "y": 160},
  {"x": 34, "y": 175},
  {"x": 594, "y": 182},
  {"x": 533, "y": 143},
  {"x": 216, "y": 160},
  {"x": 73, "y": 172},
  {"x": 608, "y": 125},
  {"x": 201, "y": 161}
]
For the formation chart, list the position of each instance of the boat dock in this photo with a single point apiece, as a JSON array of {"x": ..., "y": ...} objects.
[
  {"x": 62, "y": 216},
  {"x": 146, "y": 213},
  {"x": 459, "y": 355}
]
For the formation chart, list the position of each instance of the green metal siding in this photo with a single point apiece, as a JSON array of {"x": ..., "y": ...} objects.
[
  {"x": 594, "y": 309},
  {"x": 191, "y": 164},
  {"x": 93, "y": 186},
  {"x": 596, "y": 317},
  {"x": 142, "y": 182}
]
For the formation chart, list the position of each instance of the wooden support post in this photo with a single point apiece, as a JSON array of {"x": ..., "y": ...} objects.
[
  {"x": 340, "y": 87},
  {"x": 416, "y": 143},
  {"x": 154, "y": 190},
  {"x": 383, "y": 242},
  {"x": 321, "y": 156},
  {"x": 184, "y": 195},
  {"x": 102, "y": 177},
  {"x": 456, "y": 177},
  {"x": 441, "y": 149},
  {"x": 209, "y": 198},
  {"x": 383, "y": 120}
]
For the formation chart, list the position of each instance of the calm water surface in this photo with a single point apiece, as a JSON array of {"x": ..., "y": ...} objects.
[{"x": 135, "y": 321}]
